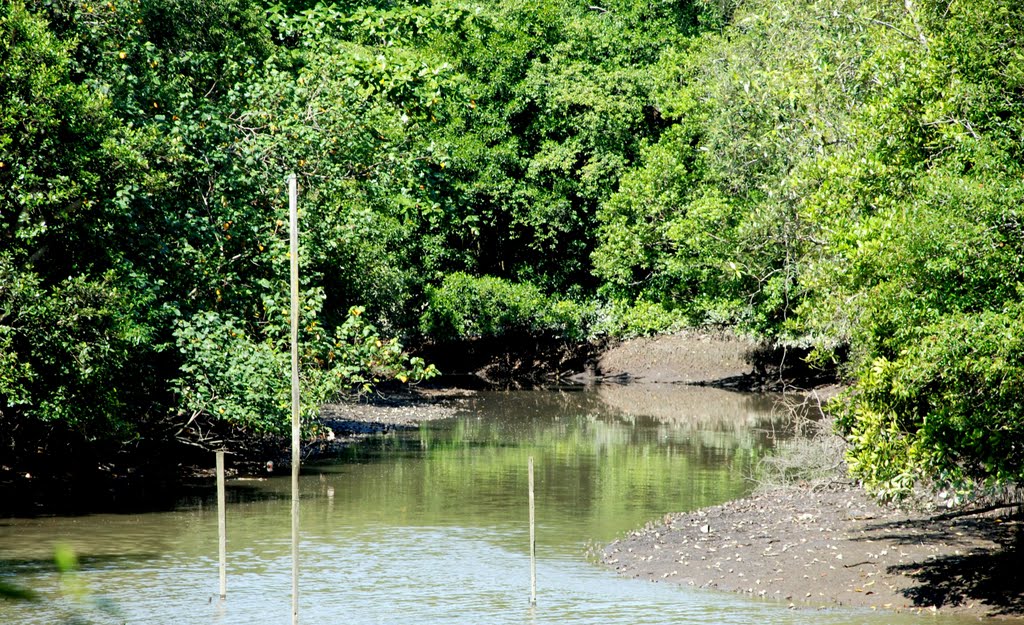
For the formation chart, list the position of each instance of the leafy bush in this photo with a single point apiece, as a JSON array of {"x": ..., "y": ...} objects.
[
  {"x": 464, "y": 306},
  {"x": 946, "y": 408},
  {"x": 244, "y": 379},
  {"x": 67, "y": 349},
  {"x": 624, "y": 319}
]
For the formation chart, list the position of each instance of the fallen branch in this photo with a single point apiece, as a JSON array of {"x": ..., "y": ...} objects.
[{"x": 962, "y": 513}]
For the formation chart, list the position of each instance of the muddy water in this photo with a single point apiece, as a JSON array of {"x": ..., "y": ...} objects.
[{"x": 430, "y": 525}]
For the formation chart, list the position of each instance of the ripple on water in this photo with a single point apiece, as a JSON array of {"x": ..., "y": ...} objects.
[{"x": 429, "y": 527}]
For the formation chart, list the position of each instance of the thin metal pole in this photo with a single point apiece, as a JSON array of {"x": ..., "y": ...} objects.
[
  {"x": 533, "y": 541},
  {"x": 293, "y": 215},
  {"x": 222, "y": 534}
]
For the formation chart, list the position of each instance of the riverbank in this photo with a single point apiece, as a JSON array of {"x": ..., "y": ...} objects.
[
  {"x": 344, "y": 424},
  {"x": 148, "y": 473},
  {"x": 830, "y": 545},
  {"x": 699, "y": 357},
  {"x": 815, "y": 544},
  {"x": 156, "y": 476},
  {"x": 822, "y": 542}
]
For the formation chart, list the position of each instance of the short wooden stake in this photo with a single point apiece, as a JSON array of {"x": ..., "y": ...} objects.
[
  {"x": 533, "y": 541},
  {"x": 222, "y": 533}
]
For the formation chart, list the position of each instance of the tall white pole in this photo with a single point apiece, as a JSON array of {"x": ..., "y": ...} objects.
[
  {"x": 293, "y": 215},
  {"x": 222, "y": 533},
  {"x": 533, "y": 539}
]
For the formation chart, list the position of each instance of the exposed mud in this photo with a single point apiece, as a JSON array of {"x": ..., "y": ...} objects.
[
  {"x": 814, "y": 545},
  {"x": 720, "y": 359},
  {"x": 688, "y": 358},
  {"x": 832, "y": 545}
]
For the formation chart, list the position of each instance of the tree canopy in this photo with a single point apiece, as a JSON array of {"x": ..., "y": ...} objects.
[{"x": 841, "y": 175}]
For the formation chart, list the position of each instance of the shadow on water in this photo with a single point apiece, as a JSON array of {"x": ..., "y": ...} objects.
[
  {"x": 30, "y": 566},
  {"x": 134, "y": 498}
]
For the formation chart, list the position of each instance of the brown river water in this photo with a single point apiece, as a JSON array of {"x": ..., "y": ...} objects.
[{"x": 430, "y": 525}]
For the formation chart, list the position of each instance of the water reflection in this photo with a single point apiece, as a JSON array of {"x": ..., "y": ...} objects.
[
  {"x": 697, "y": 408},
  {"x": 430, "y": 525}
]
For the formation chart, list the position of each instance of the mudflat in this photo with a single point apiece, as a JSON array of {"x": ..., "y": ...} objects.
[{"x": 828, "y": 545}]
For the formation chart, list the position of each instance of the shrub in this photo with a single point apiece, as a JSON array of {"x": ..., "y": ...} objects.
[
  {"x": 947, "y": 407},
  {"x": 464, "y": 306},
  {"x": 624, "y": 319},
  {"x": 243, "y": 378}
]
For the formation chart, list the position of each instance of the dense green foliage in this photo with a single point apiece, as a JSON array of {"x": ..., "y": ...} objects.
[
  {"x": 467, "y": 307},
  {"x": 144, "y": 149},
  {"x": 145, "y": 259},
  {"x": 842, "y": 175},
  {"x": 847, "y": 174}
]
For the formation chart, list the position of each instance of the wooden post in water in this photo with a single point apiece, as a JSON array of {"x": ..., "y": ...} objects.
[
  {"x": 222, "y": 534},
  {"x": 533, "y": 541},
  {"x": 293, "y": 216}
]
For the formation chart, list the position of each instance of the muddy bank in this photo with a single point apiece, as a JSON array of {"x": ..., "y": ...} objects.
[
  {"x": 820, "y": 544},
  {"x": 350, "y": 422},
  {"x": 718, "y": 359},
  {"x": 831, "y": 545},
  {"x": 346, "y": 423},
  {"x": 704, "y": 358},
  {"x": 156, "y": 476},
  {"x": 148, "y": 473},
  {"x": 687, "y": 358}
]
